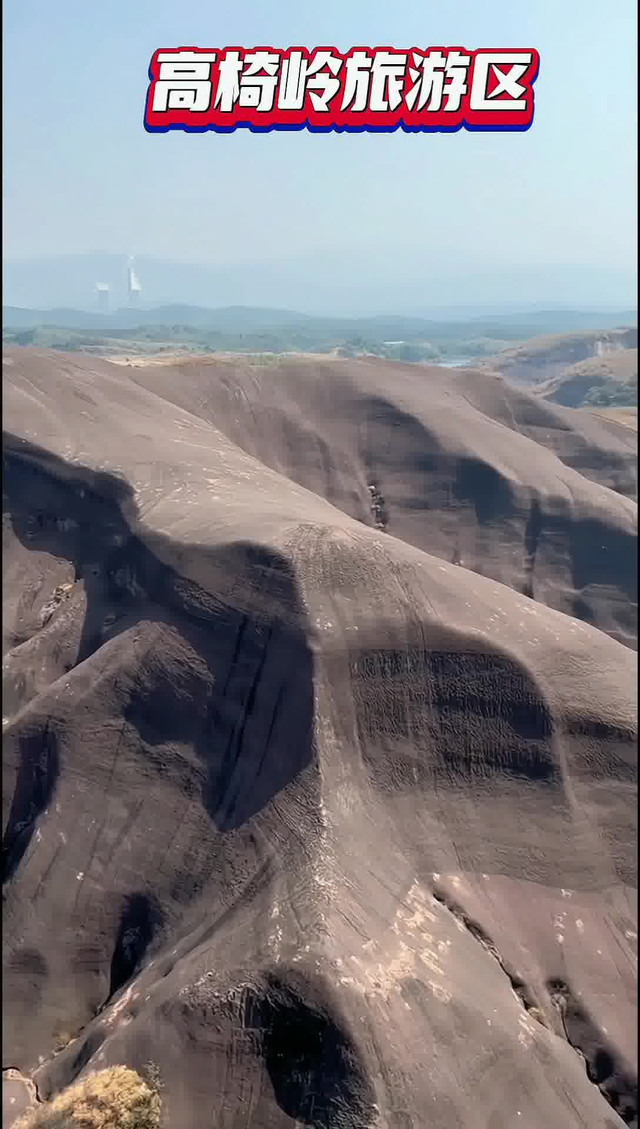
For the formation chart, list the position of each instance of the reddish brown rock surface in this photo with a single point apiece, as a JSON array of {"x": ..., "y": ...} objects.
[{"x": 333, "y": 830}]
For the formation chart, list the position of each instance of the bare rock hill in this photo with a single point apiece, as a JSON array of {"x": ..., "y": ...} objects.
[
  {"x": 612, "y": 373},
  {"x": 543, "y": 358},
  {"x": 456, "y": 463},
  {"x": 334, "y": 831}
]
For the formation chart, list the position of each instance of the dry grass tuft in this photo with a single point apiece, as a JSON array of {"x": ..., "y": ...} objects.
[{"x": 116, "y": 1098}]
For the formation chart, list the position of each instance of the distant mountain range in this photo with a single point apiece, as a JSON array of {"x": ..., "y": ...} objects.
[
  {"x": 235, "y": 319},
  {"x": 251, "y": 320},
  {"x": 349, "y": 282}
]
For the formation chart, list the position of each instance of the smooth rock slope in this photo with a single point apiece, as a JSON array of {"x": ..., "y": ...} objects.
[{"x": 334, "y": 831}]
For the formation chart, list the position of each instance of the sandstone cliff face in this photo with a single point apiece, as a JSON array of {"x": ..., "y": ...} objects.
[
  {"x": 546, "y": 358},
  {"x": 615, "y": 373},
  {"x": 332, "y": 830}
]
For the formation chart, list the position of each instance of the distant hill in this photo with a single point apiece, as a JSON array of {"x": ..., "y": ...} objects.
[
  {"x": 544, "y": 358},
  {"x": 258, "y": 329},
  {"x": 251, "y": 318},
  {"x": 607, "y": 380},
  {"x": 229, "y": 318}
]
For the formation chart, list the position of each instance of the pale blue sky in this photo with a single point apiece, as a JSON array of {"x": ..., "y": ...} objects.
[{"x": 81, "y": 174}]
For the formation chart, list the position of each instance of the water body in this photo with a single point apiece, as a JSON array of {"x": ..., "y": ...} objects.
[{"x": 459, "y": 362}]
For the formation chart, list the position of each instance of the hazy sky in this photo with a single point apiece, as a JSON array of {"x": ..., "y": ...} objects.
[{"x": 81, "y": 174}]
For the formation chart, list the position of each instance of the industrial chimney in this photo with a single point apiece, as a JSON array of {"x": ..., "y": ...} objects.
[{"x": 133, "y": 283}]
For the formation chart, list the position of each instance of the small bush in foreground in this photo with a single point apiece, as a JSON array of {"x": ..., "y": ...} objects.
[{"x": 116, "y": 1098}]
